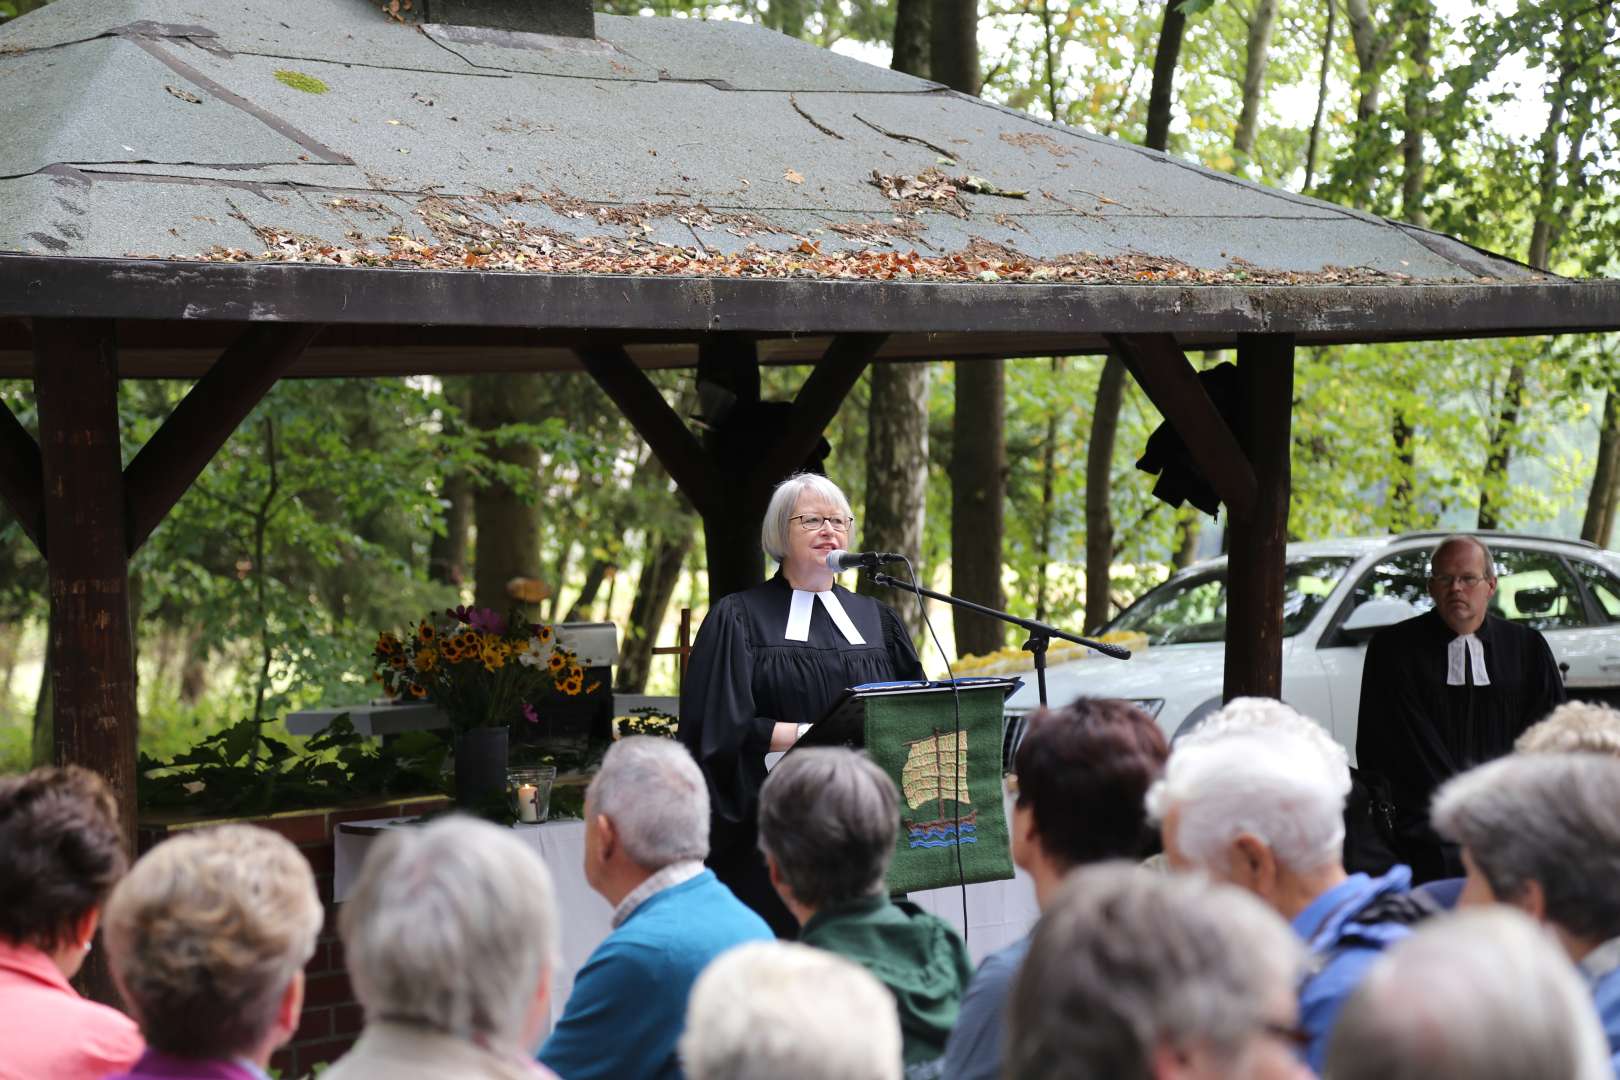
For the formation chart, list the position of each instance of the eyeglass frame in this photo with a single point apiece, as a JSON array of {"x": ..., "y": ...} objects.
[
  {"x": 1446, "y": 581},
  {"x": 802, "y": 519}
]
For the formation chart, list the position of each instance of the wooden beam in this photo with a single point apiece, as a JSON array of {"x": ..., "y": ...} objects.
[
  {"x": 1259, "y": 538},
  {"x": 21, "y": 483},
  {"x": 817, "y": 402},
  {"x": 91, "y": 653},
  {"x": 1171, "y": 383},
  {"x": 177, "y": 452},
  {"x": 677, "y": 449}
]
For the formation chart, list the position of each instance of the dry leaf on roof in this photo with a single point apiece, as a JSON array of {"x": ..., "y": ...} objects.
[
  {"x": 183, "y": 95},
  {"x": 793, "y": 176}
]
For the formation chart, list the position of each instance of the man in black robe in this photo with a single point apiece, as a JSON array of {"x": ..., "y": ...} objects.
[{"x": 1445, "y": 691}]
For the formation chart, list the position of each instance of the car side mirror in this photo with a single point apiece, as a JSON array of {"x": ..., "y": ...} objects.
[{"x": 1374, "y": 615}]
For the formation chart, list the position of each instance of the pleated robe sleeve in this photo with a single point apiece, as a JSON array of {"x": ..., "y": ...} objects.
[
  {"x": 720, "y": 723},
  {"x": 897, "y": 640}
]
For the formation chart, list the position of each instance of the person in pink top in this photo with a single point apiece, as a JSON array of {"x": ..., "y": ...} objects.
[{"x": 61, "y": 852}]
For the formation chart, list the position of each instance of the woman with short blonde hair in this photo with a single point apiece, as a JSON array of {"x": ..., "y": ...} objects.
[
  {"x": 769, "y": 661},
  {"x": 208, "y": 938}
]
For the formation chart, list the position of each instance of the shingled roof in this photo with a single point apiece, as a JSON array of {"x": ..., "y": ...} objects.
[{"x": 666, "y": 178}]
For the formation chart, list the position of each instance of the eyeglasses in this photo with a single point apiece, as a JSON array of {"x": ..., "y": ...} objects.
[
  {"x": 812, "y": 522},
  {"x": 1445, "y": 581}
]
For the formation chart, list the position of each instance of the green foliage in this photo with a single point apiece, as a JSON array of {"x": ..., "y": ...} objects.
[{"x": 242, "y": 772}]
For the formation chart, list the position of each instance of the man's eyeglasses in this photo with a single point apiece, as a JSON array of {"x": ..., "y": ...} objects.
[
  {"x": 812, "y": 522},
  {"x": 1445, "y": 581}
]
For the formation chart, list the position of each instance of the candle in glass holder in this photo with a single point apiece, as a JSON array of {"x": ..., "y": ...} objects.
[{"x": 528, "y": 810}]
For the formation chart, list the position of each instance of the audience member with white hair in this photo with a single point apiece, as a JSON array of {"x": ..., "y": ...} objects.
[
  {"x": 1479, "y": 995},
  {"x": 1541, "y": 832},
  {"x": 782, "y": 1011},
  {"x": 829, "y": 821},
  {"x": 450, "y": 935},
  {"x": 1137, "y": 975},
  {"x": 646, "y": 835},
  {"x": 1575, "y": 727},
  {"x": 1255, "y": 797},
  {"x": 207, "y": 938}
]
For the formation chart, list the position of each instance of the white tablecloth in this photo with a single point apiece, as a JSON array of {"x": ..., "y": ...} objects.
[{"x": 998, "y": 912}]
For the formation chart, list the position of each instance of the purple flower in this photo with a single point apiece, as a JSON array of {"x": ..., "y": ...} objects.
[
  {"x": 459, "y": 613},
  {"x": 529, "y": 714},
  {"x": 486, "y": 621}
]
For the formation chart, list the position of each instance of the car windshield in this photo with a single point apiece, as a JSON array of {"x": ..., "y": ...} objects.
[{"x": 1193, "y": 608}]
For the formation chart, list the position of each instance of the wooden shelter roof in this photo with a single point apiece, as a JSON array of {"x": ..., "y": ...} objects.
[{"x": 172, "y": 164}]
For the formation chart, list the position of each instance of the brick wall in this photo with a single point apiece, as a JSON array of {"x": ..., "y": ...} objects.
[{"x": 332, "y": 1018}]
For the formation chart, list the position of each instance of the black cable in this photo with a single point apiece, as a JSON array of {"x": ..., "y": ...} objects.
[{"x": 956, "y": 740}]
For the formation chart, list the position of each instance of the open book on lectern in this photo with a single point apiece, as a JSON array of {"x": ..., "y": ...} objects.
[{"x": 844, "y": 722}]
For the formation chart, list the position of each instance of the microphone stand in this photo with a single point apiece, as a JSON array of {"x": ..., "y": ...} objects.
[{"x": 1040, "y": 634}]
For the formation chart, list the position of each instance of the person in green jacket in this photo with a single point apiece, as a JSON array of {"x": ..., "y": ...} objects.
[{"x": 828, "y": 820}]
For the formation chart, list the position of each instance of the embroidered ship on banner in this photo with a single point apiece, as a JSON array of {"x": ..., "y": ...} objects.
[{"x": 931, "y": 765}]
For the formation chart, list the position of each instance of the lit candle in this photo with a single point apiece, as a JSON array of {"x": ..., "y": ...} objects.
[{"x": 528, "y": 808}]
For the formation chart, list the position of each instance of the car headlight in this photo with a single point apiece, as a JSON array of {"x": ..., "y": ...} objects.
[{"x": 1150, "y": 705}]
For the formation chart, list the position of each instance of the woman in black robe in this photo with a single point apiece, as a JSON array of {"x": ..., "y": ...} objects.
[{"x": 769, "y": 661}]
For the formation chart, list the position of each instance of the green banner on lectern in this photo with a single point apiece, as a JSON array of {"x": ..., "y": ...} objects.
[{"x": 946, "y": 763}]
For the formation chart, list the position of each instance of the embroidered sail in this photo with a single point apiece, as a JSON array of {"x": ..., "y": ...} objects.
[{"x": 936, "y": 772}]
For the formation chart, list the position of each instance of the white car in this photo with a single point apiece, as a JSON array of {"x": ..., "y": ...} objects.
[{"x": 1336, "y": 594}]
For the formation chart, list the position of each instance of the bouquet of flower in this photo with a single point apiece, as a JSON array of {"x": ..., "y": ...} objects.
[{"x": 481, "y": 668}]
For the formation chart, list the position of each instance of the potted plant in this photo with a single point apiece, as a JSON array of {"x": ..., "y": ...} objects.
[{"x": 485, "y": 670}]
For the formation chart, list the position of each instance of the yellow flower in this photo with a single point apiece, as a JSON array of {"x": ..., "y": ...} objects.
[
  {"x": 388, "y": 644},
  {"x": 418, "y": 691},
  {"x": 576, "y": 673},
  {"x": 397, "y": 661},
  {"x": 557, "y": 662},
  {"x": 544, "y": 636},
  {"x": 494, "y": 657},
  {"x": 451, "y": 651},
  {"x": 424, "y": 632},
  {"x": 572, "y": 686},
  {"x": 426, "y": 659}
]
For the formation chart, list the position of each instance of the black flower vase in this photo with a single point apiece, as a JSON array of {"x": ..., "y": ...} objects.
[{"x": 481, "y": 766}]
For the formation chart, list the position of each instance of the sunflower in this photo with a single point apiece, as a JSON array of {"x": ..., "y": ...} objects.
[
  {"x": 397, "y": 661},
  {"x": 387, "y": 644},
  {"x": 572, "y": 686},
  {"x": 418, "y": 690},
  {"x": 494, "y": 657},
  {"x": 468, "y": 640},
  {"x": 426, "y": 659},
  {"x": 557, "y": 662},
  {"x": 543, "y": 635},
  {"x": 451, "y": 651},
  {"x": 576, "y": 674},
  {"x": 425, "y": 632}
]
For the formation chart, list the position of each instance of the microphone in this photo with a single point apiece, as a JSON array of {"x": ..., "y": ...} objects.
[{"x": 871, "y": 560}]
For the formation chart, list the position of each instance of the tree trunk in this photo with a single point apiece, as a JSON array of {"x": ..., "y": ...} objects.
[
  {"x": 911, "y": 37},
  {"x": 660, "y": 572},
  {"x": 1312, "y": 146},
  {"x": 599, "y": 571},
  {"x": 447, "y": 554},
  {"x": 954, "y": 44},
  {"x": 897, "y": 475},
  {"x": 1165, "y": 59},
  {"x": 1598, "y": 524},
  {"x": 1099, "y": 490},
  {"x": 1401, "y": 497},
  {"x": 978, "y": 487},
  {"x": 1418, "y": 85},
  {"x": 1254, "y": 78},
  {"x": 1048, "y": 496},
  {"x": 508, "y": 528},
  {"x": 43, "y": 752},
  {"x": 1192, "y": 529},
  {"x": 1501, "y": 452}
]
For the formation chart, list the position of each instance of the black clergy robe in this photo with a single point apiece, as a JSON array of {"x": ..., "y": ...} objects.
[
  {"x": 1417, "y": 732},
  {"x": 743, "y": 677}
]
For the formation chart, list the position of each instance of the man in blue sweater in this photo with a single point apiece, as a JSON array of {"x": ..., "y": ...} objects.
[
  {"x": 1255, "y": 798},
  {"x": 646, "y": 836}
]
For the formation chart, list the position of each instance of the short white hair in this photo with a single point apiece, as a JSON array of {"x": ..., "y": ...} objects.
[
  {"x": 773, "y": 531},
  {"x": 785, "y": 1011},
  {"x": 1584, "y": 727},
  {"x": 654, "y": 794},
  {"x": 1257, "y": 767},
  {"x": 1485, "y": 994},
  {"x": 452, "y": 925}
]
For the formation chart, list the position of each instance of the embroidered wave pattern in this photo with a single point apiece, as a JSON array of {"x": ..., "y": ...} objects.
[{"x": 935, "y": 834}]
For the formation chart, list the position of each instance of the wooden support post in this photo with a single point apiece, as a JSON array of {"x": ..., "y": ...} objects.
[
  {"x": 91, "y": 653},
  {"x": 1256, "y": 563},
  {"x": 178, "y": 451},
  {"x": 671, "y": 441},
  {"x": 21, "y": 485}
]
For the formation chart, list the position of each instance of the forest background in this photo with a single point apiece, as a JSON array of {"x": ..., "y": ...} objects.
[{"x": 342, "y": 507}]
